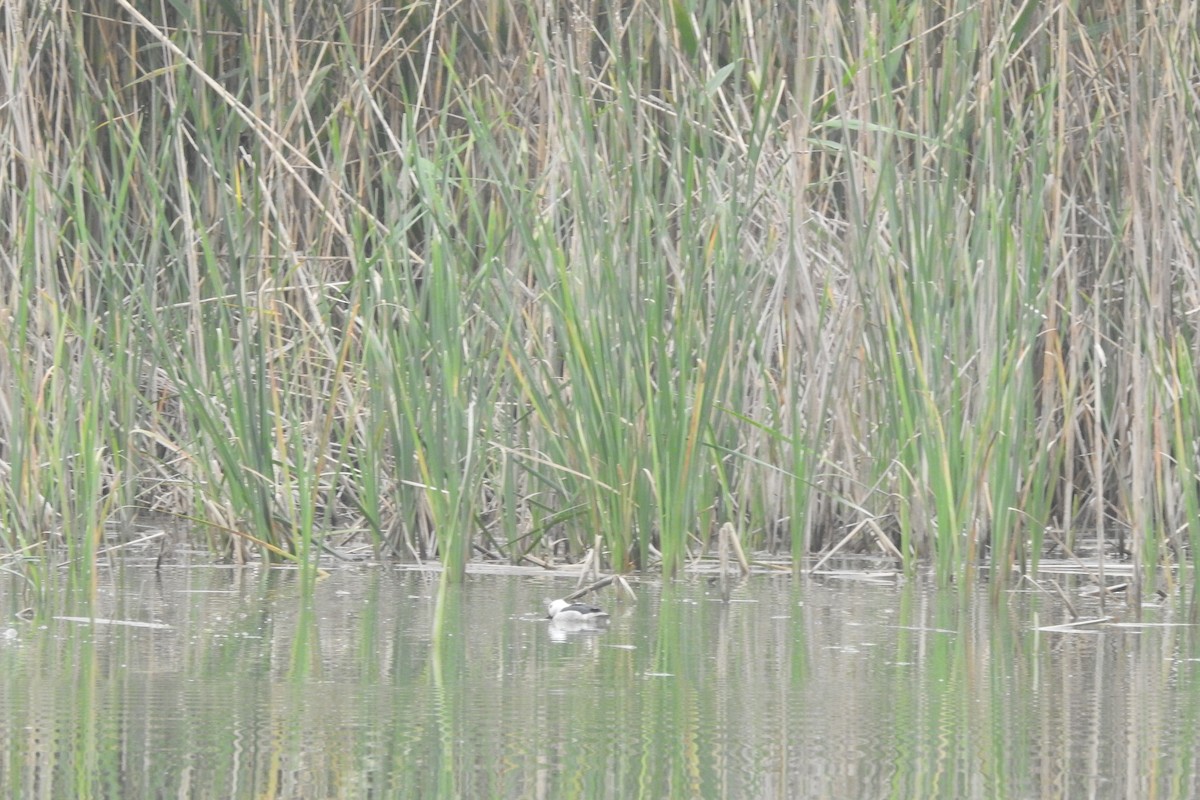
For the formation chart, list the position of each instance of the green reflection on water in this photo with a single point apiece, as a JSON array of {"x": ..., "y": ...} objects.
[{"x": 375, "y": 687}]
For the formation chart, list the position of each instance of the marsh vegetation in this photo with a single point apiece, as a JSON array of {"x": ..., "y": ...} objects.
[{"x": 498, "y": 279}]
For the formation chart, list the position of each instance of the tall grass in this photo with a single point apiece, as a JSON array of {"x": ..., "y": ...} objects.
[{"x": 498, "y": 278}]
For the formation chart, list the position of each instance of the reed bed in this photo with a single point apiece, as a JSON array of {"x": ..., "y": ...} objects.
[{"x": 506, "y": 279}]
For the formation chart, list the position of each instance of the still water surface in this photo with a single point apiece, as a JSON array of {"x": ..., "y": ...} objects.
[{"x": 797, "y": 688}]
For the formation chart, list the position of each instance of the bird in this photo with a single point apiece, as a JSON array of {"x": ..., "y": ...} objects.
[{"x": 576, "y": 613}]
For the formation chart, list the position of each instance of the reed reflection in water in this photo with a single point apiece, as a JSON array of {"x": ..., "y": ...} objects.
[{"x": 793, "y": 688}]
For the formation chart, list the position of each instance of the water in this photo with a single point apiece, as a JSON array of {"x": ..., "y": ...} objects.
[{"x": 795, "y": 688}]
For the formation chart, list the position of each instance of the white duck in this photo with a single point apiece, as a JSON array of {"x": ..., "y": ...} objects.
[{"x": 576, "y": 613}]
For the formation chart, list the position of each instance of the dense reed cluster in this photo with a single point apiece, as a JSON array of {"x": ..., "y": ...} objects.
[{"x": 503, "y": 278}]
